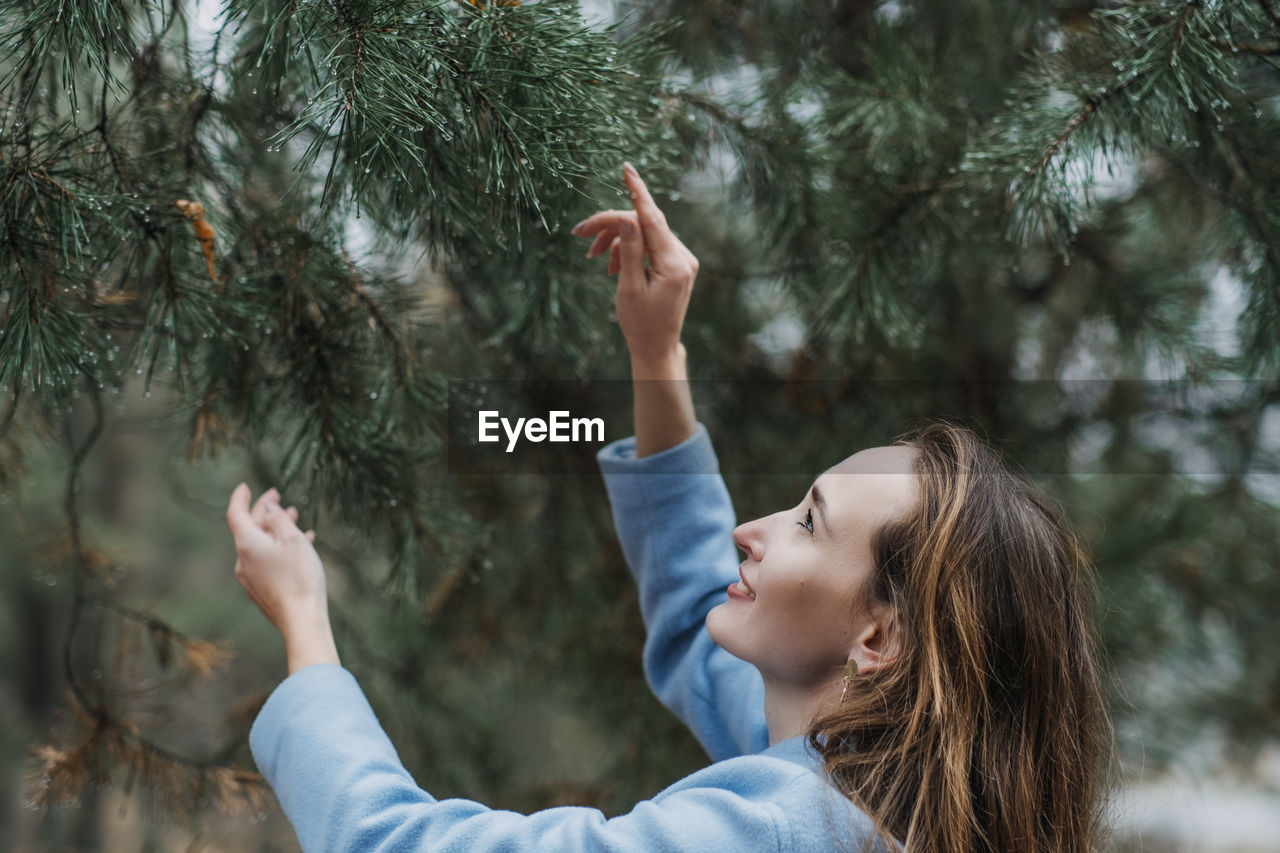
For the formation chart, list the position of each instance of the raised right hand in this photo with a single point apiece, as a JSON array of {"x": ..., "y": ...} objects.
[{"x": 651, "y": 302}]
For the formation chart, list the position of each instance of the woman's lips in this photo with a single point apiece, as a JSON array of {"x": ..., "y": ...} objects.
[{"x": 741, "y": 589}]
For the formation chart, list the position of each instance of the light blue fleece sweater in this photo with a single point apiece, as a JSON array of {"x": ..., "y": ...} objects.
[{"x": 342, "y": 786}]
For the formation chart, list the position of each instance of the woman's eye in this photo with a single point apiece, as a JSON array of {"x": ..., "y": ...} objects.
[{"x": 807, "y": 524}]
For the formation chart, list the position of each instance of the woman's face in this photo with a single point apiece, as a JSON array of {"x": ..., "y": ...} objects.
[{"x": 796, "y": 613}]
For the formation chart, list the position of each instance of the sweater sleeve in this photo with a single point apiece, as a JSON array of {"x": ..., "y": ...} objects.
[
  {"x": 342, "y": 786},
  {"x": 675, "y": 522}
]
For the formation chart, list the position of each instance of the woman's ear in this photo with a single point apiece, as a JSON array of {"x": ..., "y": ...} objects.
[{"x": 878, "y": 644}]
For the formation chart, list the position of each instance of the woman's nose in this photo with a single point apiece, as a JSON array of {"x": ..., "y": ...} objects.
[{"x": 747, "y": 537}]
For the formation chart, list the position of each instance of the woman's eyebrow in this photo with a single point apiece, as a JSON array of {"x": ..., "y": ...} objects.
[{"x": 821, "y": 504}]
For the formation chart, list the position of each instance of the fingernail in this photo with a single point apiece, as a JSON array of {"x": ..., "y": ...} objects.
[
  {"x": 575, "y": 228},
  {"x": 627, "y": 167},
  {"x": 626, "y": 228}
]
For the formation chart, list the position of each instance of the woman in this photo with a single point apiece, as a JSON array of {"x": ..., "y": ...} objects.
[{"x": 903, "y": 658}]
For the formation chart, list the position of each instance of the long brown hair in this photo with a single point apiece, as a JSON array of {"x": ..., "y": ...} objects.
[{"x": 989, "y": 731}]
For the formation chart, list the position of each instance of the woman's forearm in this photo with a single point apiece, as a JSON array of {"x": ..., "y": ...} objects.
[
  {"x": 664, "y": 414},
  {"x": 310, "y": 642}
]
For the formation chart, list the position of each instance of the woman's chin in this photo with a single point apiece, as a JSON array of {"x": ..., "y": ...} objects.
[{"x": 719, "y": 620}]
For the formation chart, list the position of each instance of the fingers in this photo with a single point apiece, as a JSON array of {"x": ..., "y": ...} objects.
[
  {"x": 615, "y": 228},
  {"x": 629, "y": 257},
  {"x": 646, "y": 208},
  {"x": 601, "y": 243},
  {"x": 238, "y": 509},
  {"x": 268, "y": 500},
  {"x": 666, "y": 248},
  {"x": 615, "y": 256},
  {"x": 278, "y": 521},
  {"x": 667, "y": 253},
  {"x": 604, "y": 225},
  {"x": 270, "y": 496},
  {"x": 595, "y": 222},
  {"x": 245, "y": 528}
]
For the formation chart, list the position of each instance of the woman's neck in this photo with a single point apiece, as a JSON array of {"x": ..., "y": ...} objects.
[{"x": 790, "y": 707}]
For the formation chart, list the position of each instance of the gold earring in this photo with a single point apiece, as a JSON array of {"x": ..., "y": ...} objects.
[{"x": 850, "y": 672}]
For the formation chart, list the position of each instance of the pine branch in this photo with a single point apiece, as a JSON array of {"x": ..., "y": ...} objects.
[
  {"x": 394, "y": 344},
  {"x": 70, "y": 506},
  {"x": 203, "y": 657},
  {"x": 1244, "y": 200},
  {"x": 176, "y": 787},
  {"x": 1181, "y": 31},
  {"x": 716, "y": 110},
  {"x": 101, "y": 129},
  {"x": 80, "y": 30},
  {"x": 1093, "y": 102},
  {"x": 105, "y": 739},
  {"x": 356, "y": 29}
]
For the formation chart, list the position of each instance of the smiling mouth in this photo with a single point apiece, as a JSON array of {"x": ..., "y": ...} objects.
[{"x": 742, "y": 585}]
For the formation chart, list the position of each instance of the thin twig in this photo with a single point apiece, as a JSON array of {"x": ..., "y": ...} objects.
[
  {"x": 81, "y": 568},
  {"x": 146, "y": 620},
  {"x": 357, "y": 30},
  {"x": 722, "y": 113},
  {"x": 397, "y": 348},
  {"x": 98, "y": 714},
  {"x": 1182, "y": 24},
  {"x": 1091, "y": 104},
  {"x": 47, "y": 177},
  {"x": 101, "y": 128},
  {"x": 1246, "y": 47}
]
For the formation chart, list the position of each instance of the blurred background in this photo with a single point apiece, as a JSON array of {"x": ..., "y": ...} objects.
[{"x": 1056, "y": 222}]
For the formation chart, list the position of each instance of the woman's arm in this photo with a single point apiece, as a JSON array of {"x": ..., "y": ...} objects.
[
  {"x": 663, "y": 405},
  {"x": 344, "y": 789},
  {"x": 675, "y": 520},
  {"x": 670, "y": 507},
  {"x": 651, "y": 305}
]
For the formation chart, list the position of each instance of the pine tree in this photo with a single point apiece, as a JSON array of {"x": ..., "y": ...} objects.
[{"x": 303, "y": 233}]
